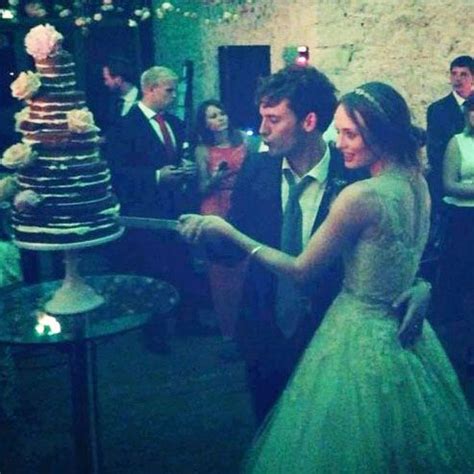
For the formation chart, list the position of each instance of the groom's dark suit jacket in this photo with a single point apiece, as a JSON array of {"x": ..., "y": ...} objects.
[
  {"x": 444, "y": 120},
  {"x": 134, "y": 153},
  {"x": 256, "y": 210}
]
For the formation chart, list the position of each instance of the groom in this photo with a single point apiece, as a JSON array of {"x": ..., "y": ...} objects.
[{"x": 299, "y": 171}]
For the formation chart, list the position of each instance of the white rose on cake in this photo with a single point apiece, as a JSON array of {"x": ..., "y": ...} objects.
[
  {"x": 26, "y": 200},
  {"x": 81, "y": 121},
  {"x": 18, "y": 156},
  {"x": 43, "y": 41},
  {"x": 8, "y": 188},
  {"x": 26, "y": 85},
  {"x": 20, "y": 117}
]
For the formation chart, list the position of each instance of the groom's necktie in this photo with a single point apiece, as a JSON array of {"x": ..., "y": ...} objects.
[
  {"x": 291, "y": 305},
  {"x": 292, "y": 226}
]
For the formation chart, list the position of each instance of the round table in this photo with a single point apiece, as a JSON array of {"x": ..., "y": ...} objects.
[{"x": 130, "y": 301}]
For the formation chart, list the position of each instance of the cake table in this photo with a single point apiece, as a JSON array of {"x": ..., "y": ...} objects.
[{"x": 129, "y": 302}]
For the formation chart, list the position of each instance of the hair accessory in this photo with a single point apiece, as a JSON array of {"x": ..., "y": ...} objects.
[
  {"x": 371, "y": 99},
  {"x": 255, "y": 250}
]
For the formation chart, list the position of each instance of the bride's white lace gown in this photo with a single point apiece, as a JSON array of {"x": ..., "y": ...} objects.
[{"x": 358, "y": 402}]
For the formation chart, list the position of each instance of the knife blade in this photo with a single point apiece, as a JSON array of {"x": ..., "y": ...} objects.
[{"x": 148, "y": 223}]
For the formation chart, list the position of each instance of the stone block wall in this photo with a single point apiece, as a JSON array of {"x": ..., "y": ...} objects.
[{"x": 407, "y": 43}]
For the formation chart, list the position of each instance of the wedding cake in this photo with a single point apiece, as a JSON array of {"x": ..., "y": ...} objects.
[{"x": 63, "y": 186}]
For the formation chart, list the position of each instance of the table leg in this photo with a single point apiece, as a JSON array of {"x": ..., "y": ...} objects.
[
  {"x": 8, "y": 396},
  {"x": 83, "y": 368}
]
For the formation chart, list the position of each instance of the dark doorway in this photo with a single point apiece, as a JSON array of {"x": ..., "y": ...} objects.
[{"x": 240, "y": 68}]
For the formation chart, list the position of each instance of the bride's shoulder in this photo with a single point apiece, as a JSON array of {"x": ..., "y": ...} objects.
[
  {"x": 363, "y": 190},
  {"x": 359, "y": 198}
]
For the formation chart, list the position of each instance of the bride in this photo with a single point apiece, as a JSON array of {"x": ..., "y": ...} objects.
[{"x": 358, "y": 401}]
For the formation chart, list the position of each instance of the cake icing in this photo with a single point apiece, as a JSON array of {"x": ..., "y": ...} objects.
[{"x": 63, "y": 186}]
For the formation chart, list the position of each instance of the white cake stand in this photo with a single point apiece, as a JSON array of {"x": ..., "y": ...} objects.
[{"x": 75, "y": 295}]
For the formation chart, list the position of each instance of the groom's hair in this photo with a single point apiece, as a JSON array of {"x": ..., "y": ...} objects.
[{"x": 306, "y": 89}]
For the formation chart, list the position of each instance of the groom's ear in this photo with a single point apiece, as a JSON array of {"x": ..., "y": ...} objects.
[{"x": 310, "y": 122}]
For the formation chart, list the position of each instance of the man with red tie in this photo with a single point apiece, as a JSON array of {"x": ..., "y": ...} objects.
[
  {"x": 149, "y": 176},
  {"x": 145, "y": 150}
]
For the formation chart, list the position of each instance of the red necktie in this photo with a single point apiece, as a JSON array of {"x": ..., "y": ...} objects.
[{"x": 167, "y": 141}]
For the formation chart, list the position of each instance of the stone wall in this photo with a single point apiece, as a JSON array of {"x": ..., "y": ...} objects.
[{"x": 408, "y": 43}]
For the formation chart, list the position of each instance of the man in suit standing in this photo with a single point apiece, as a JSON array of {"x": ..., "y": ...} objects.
[
  {"x": 149, "y": 175},
  {"x": 118, "y": 78},
  {"x": 299, "y": 169},
  {"x": 296, "y": 105},
  {"x": 445, "y": 119},
  {"x": 145, "y": 149}
]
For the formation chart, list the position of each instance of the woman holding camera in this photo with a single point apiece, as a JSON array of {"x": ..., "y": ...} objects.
[
  {"x": 219, "y": 155},
  {"x": 220, "y": 152}
]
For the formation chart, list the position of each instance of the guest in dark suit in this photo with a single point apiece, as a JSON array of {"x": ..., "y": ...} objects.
[
  {"x": 149, "y": 176},
  {"x": 119, "y": 78},
  {"x": 145, "y": 151},
  {"x": 444, "y": 120},
  {"x": 278, "y": 320}
]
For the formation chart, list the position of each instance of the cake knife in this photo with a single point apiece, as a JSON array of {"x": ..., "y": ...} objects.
[{"x": 148, "y": 223}]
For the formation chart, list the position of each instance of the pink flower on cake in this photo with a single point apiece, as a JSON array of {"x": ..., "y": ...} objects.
[
  {"x": 26, "y": 200},
  {"x": 20, "y": 117},
  {"x": 81, "y": 121},
  {"x": 43, "y": 41},
  {"x": 18, "y": 156},
  {"x": 8, "y": 188},
  {"x": 26, "y": 85}
]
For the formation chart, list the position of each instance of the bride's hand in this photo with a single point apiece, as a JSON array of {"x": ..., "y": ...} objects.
[{"x": 194, "y": 227}]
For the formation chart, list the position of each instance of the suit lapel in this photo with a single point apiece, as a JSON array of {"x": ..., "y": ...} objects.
[
  {"x": 270, "y": 183},
  {"x": 260, "y": 189},
  {"x": 269, "y": 190},
  {"x": 151, "y": 142},
  {"x": 177, "y": 129},
  {"x": 454, "y": 115},
  {"x": 335, "y": 182}
]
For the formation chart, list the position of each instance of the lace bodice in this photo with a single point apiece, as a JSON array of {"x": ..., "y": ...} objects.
[{"x": 384, "y": 262}]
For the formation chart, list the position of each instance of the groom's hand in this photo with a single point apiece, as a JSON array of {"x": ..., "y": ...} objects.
[{"x": 414, "y": 302}]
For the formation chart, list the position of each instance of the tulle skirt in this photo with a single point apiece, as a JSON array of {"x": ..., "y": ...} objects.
[{"x": 360, "y": 403}]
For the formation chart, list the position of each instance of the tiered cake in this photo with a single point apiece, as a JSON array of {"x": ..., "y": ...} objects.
[{"x": 64, "y": 192}]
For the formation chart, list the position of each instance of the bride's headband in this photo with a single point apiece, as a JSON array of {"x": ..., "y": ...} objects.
[{"x": 370, "y": 98}]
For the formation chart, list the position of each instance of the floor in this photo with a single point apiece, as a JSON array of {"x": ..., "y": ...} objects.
[{"x": 181, "y": 410}]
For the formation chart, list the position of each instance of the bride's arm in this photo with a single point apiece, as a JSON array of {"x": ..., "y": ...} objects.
[{"x": 351, "y": 213}]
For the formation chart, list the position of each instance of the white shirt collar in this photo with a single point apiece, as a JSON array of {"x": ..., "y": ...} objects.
[
  {"x": 319, "y": 172},
  {"x": 131, "y": 95},
  {"x": 149, "y": 113},
  {"x": 460, "y": 100}
]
